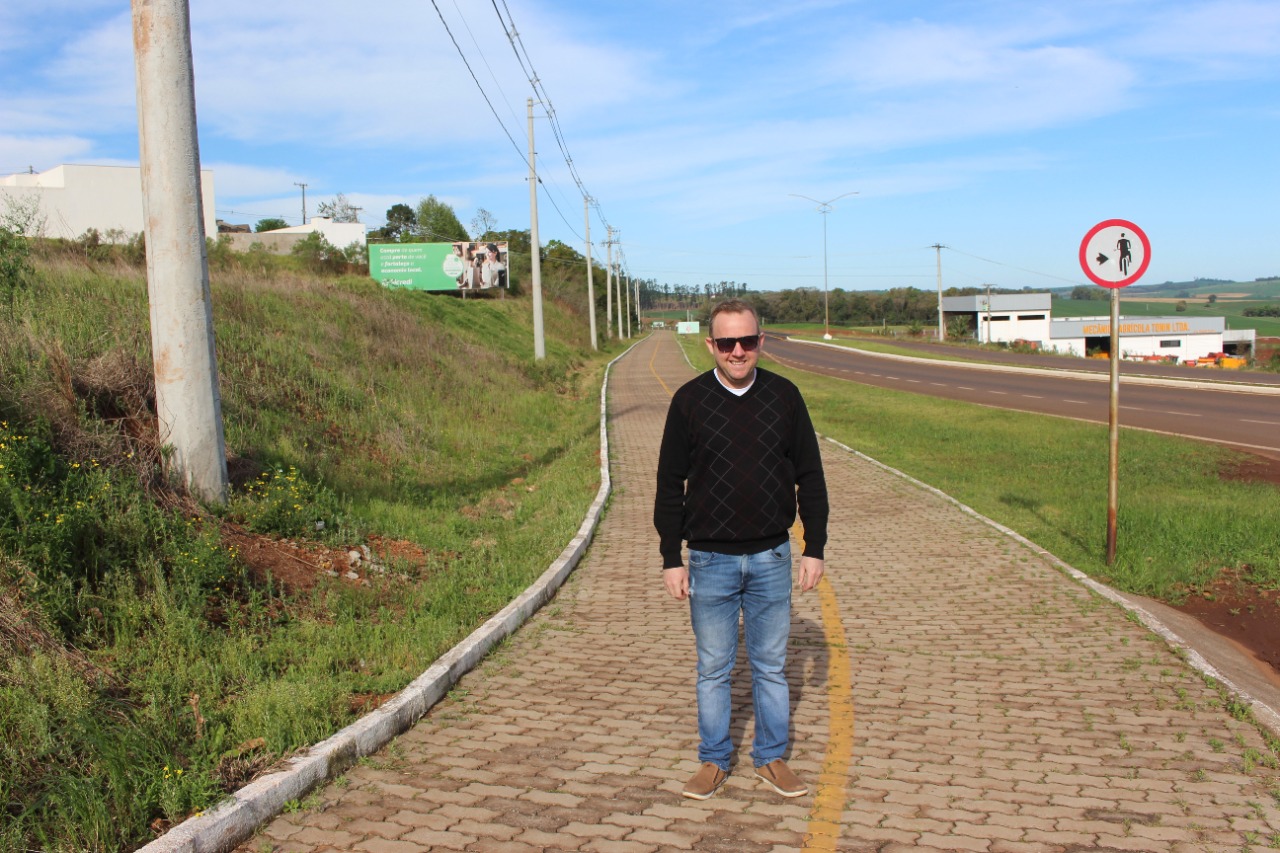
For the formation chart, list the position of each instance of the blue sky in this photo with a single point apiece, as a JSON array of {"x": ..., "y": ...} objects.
[{"x": 1003, "y": 130}]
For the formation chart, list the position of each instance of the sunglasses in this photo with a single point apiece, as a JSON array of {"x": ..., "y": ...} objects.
[{"x": 748, "y": 343}]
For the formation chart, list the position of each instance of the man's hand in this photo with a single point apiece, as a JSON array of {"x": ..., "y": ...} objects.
[
  {"x": 810, "y": 573},
  {"x": 676, "y": 581}
]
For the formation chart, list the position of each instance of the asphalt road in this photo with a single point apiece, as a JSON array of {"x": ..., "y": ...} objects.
[{"x": 1226, "y": 413}]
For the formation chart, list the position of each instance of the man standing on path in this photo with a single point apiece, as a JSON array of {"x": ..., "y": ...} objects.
[{"x": 738, "y": 453}]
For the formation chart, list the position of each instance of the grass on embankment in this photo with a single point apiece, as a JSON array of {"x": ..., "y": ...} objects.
[
  {"x": 144, "y": 670},
  {"x": 1179, "y": 522}
]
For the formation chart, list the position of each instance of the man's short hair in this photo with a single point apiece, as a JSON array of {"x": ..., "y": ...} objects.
[{"x": 732, "y": 306}]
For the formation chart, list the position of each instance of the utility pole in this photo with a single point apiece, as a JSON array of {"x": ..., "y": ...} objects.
[
  {"x": 535, "y": 249},
  {"x": 608, "y": 287},
  {"x": 627, "y": 287},
  {"x": 304, "y": 201},
  {"x": 988, "y": 340},
  {"x": 942, "y": 332},
  {"x": 188, "y": 402},
  {"x": 617, "y": 280},
  {"x": 824, "y": 207},
  {"x": 591, "y": 291}
]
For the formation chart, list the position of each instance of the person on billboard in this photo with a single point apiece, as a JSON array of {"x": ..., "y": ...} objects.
[
  {"x": 462, "y": 252},
  {"x": 491, "y": 273},
  {"x": 738, "y": 454}
]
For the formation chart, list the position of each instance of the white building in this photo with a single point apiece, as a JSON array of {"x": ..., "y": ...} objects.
[
  {"x": 1002, "y": 317},
  {"x": 1011, "y": 317},
  {"x": 282, "y": 240},
  {"x": 72, "y": 199},
  {"x": 1181, "y": 338}
]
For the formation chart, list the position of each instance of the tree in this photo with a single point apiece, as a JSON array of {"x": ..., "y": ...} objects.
[
  {"x": 402, "y": 224},
  {"x": 1213, "y": 297},
  {"x": 438, "y": 223},
  {"x": 340, "y": 210},
  {"x": 272, "y": 224},
  {"x": 482, "y": 223}
]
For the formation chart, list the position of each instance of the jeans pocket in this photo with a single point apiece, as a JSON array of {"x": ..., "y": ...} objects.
[
  {"x": 782, "y": 552},
  {"x": 700, "y": 559}
]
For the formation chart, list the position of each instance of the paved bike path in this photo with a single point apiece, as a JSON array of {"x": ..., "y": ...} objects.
[{"x": 952, "y": 689}]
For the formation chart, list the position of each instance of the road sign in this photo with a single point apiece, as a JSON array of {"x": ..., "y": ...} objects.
[{"x": 1115, "y": 253}]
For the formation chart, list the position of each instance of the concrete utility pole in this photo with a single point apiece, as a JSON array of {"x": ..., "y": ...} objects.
[
  {"x": 608, "y": 286},
  {"x": 304, "y": 201},
  {"x": 591, "y": 290},
  {"x": 942, "y": 332},
  {"x": 617, "y": 277},
  {"x": 988, "y": 340},
  {"x": 627, "y": 287},
  {"x": 617, "y": 280},
  {"x": 188, "y": 403},
  {"x": 535, "y": 249}
]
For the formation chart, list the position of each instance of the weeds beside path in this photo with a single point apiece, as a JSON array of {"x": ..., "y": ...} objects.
[{"x": 401, "y": 469}]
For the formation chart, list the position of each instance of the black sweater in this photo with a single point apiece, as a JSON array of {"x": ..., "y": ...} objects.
[{"x": 746, "y": 461}]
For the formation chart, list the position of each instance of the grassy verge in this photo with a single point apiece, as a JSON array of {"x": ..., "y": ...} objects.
[
  {"x": 1180, "y": 523},
  {"x": 149, "y": 665}
]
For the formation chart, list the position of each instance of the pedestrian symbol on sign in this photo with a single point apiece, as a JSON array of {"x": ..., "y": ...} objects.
[{"x": 1126, "y": 255}]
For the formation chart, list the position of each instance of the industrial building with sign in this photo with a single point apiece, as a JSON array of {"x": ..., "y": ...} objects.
[{"x": 1028, "y": 318}]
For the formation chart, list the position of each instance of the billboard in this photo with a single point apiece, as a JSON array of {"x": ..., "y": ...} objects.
[
  {"x": 688, "y": 328},
  {"x": 439, "y": 266}
]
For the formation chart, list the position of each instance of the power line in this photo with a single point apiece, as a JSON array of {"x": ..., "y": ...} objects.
[
  {"x": 526, "y": 64},
  {"x": 524, "y": 159},
  {"x": 483, "y": 93},
  {"x": 1011, "y": 266}
]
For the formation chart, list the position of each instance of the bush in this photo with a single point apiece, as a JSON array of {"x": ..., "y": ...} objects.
[{"x": 15, "y": 265}]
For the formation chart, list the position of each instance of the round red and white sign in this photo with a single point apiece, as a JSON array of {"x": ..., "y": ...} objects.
[{"x": 1115, "y": 253}]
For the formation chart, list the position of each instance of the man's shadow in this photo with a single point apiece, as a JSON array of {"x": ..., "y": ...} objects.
[{"x": 808, "y": 660}]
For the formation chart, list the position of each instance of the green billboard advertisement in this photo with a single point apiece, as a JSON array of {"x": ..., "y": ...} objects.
[{"x": 439, "y": 266}]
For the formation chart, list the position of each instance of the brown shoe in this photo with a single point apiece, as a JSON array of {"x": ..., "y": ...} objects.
[
  {"x": 779, "y": 775},
  {"x": 705, "y": 782}
]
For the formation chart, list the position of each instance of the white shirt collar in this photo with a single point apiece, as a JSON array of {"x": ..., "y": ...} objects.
[{"x": 735, "y": 391}]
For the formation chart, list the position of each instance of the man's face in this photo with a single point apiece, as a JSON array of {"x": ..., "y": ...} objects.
[{"x": 737, "y": 366}]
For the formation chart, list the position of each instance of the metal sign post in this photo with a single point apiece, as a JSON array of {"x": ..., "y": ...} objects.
[{"x": 1114, "y": 254}]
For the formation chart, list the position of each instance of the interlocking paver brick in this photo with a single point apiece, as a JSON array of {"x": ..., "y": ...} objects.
[{"x": 996, "y": 704}]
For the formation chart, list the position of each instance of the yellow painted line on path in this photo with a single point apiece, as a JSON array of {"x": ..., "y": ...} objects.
[
  {"x": 670, "y": 393},
  {"x": 833, "y": 779}
]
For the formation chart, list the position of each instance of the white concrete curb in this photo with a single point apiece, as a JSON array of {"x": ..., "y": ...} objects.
[
  {"x": 1266, "y": 715},
  {"x": 235, "y": 819},
  {"x": 1129, "y": 379}
]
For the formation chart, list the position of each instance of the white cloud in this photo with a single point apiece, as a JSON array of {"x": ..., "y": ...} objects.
[
  {"x": 17, "y": 153},
  {"x": 237, "y": 181},
  {"x": 331, "y": 73},
  {"x": 1237, "y": 31}
]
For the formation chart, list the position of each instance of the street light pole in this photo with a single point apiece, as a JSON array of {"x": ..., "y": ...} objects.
[{"x": 824, "y": 207}]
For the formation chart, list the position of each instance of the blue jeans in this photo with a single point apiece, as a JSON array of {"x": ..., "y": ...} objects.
[{"x": 759, "y": 587}]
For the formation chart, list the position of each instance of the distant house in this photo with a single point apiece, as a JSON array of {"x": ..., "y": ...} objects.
[
  {"x": 71, "y": 199},
  {"x": 1002, "y": 317}
]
